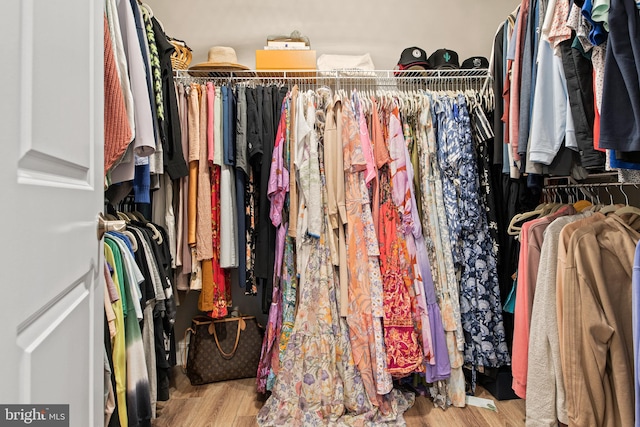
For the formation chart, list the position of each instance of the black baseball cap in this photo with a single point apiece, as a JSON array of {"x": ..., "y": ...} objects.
[
  {"x": 444, "y": 58},
  {"x": 413, "y": 58},
  {"x": 475, "y": 62}
]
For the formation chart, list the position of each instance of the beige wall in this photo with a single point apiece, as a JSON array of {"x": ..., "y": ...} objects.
[{"x": 382, "y": 28}]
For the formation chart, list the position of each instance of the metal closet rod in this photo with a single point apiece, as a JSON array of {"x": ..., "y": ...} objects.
[
  {"x": 587, "y": 189},
  {"x": 587, "y": 185}
]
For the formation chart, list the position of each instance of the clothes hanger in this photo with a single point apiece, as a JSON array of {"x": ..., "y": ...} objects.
[
  {"x": 157, "y": 236},
  {"x": 399, "y": 103},
  {"x": 626, "y": 209},
  {"x": 146, "y": 6},
  {"x": 545, "y": 195},
  {"x": 371, "y": 95},
  {"x": 611, "y": 207},
  {"x": 581, "y": 203},
  {"x": 513, "y": 229},
  {"x": 393, "y": 102},
  {"x": 132, "y": 239},
  {"x": 598, "y": 204},
  {"x": 150, "y": 12},
  {"x": 553, "y": 209},
  {"x": 410, "y": 107},
  {"x": 382, "y": 100},
  {"x": 137, "y": 216},
  {"x": 416, "y": 102},
  {"x": 468, "y": 98},
  {"x": 546, "y": 208},
  {"x": 366, "y": 106},
  {"x": 123, "y": 216}
]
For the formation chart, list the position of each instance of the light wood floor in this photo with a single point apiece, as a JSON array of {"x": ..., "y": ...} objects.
[{"x": 236, "y": 403}]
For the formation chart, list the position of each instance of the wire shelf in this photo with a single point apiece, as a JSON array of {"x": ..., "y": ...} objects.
[
  {"x": 446, "y": 79},
  {"x": 334, "y": 74}
]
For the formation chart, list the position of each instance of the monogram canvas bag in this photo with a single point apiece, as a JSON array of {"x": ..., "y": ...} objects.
[{"x": 223, "y": 349}]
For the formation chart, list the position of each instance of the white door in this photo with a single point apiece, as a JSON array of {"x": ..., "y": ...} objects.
[{"x": 51, "y": 132}]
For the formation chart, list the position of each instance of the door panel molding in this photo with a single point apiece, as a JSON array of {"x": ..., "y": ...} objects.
[
  {"x": 46, "y": 100},
  {"x": 33, "y": 333},
  {"x": 37, "y": 168}
]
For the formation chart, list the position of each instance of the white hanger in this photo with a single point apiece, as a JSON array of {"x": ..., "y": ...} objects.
[
  {"x": 156, "y": 234},
  {"x": 366, "y": 105},
  {"x": 611, "y": 207},
  {"x": 513, "y": 229},
  {"x": 626, "y": 208},
  {"x": 147, "y": 7},
  {"x": 150, "y": 11},
  {"x": 132, "y": 240}
]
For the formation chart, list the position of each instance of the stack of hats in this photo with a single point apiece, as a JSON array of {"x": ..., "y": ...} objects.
[{"x": 415, "y": 58}]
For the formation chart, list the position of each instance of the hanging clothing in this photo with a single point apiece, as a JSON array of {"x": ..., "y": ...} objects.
[
  {"x": 401, "y": 339},
  {"x": 382, "y": 376},
  {"x": 122, "y": 68},
  {"x": 604, "y": 308},
  {"x": 620, "y": 113},
  {"x": 138, "y": 406},
  {"x": 117, "y": 130},
  {"x": 204, "y": 246},
  {"x": 173, "y": 158},
  {"x": 288, "y": 280},
  {"x": 436, "y": 358},
  {"x": 334, "y": 173},
  {"x": 479, "y": 291},
  {"x": 118, "y": 343},
  {"x": 228, "y": 226},
  {"x": 362, "y": 249},
  {"x": 374, "y": 208},
  {"x": 438, "y": 244},
  {"x": 144, "y": 138},
  {"x": 544, "y": 366},
  {"x": 635, "y": 306},
  {"x": 530, "y": 252},
  {"x": 241, "y": 174},
  {"x": 401, "y": 195},
  {"x": 319, "y": 383},
  {"x": 277, "y": 190}
]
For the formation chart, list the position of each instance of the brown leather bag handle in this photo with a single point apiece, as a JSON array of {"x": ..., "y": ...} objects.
[
  {"x": 235, "y": 345},
  {"x": 186, "y": 346}
]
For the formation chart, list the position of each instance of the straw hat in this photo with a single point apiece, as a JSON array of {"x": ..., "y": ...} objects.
[{"x": 220, "y": 58}]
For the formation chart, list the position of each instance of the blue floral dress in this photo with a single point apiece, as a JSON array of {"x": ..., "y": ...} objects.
[{"x": 481, "y": 312}]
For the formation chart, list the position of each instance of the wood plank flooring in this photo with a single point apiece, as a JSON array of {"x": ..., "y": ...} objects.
[{"x": 236, "y": 404}]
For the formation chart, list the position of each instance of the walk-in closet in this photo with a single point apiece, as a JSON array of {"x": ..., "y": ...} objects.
[{"x": 321, "y": 214}]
